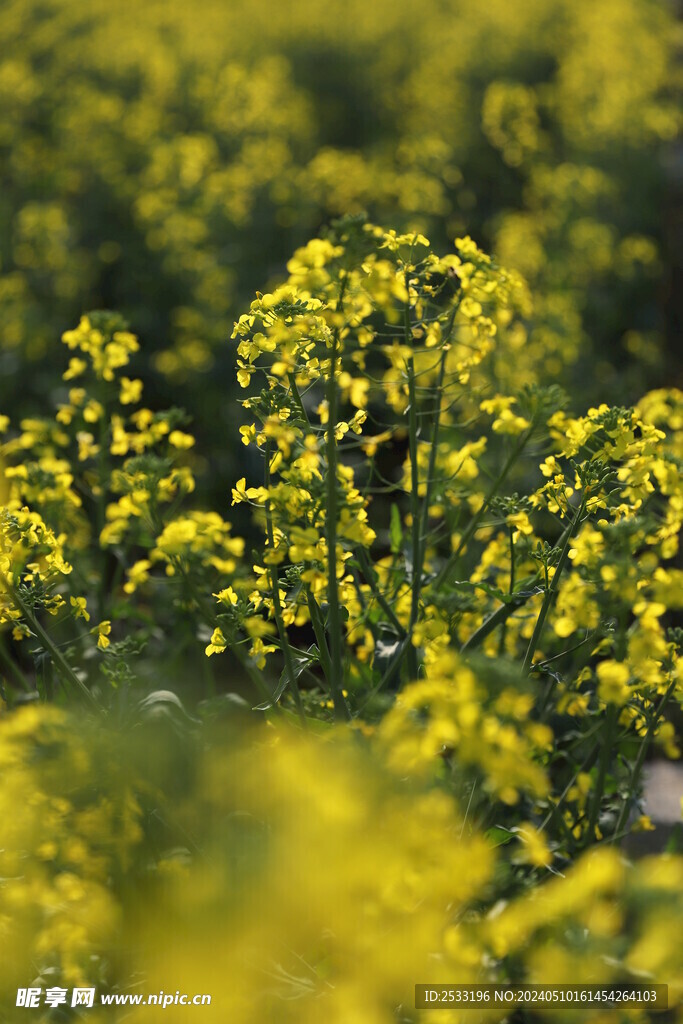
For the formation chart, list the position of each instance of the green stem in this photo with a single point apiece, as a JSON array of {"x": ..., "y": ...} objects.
[
  {"x": 570, "y": 650},
  {"x": 511, "y": 588},
  {"x": 433, "y": 450},
  {"x": 101, "y": 509},
  {"x": 334, "y": 624},
  {"x": 552, "y": 589},
  {"x": 371, "y": 578},
  {"x": 14, "y": 669},
  {"x": 640, "y": 761},
  {"x": 391, "y": 668},
  {"x": 319, "y": 630},
  {"x": 59, "y": 661},
  {"x": 605, "y": 757},
  {"x": 436, "y": 425},
  {"x": 585, "y": 766},
  {"x": 207, "y": 615},
  {"x": 297, "y": 399},
  {"x": 476, "y": 519},
  {"x": 501, "y": 615},
  {"x": 414, "y": 493},
  {"x": 277, "y": 604}
]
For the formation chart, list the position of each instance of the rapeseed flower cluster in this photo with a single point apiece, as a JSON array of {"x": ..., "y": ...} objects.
[
  {"x": 569, "y": 580},
  {"x": 476, "y": 581},
  {"x": 101, "y": 483}
]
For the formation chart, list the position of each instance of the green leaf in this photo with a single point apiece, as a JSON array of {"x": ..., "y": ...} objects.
[
  {"x": 395, "y": 530},
  {"x": 499, "y": 836},
  {"x": 164, "y": 703},
  {"x": 675, "y": 841},
  {"x": 300, "y": 664},
  {"x": 277, "y": 693}
]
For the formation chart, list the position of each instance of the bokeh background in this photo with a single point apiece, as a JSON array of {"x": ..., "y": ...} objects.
[{"x": 165, "y": 159}]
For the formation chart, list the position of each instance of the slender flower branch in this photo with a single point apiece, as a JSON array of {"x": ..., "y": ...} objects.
[
  {"x": 476, "y": 519},
  {"x": 319, "y": 630},
  {"x": 414, "y": 491},
  {"x": 640, "y": 761},
  {"x": 277, "y": 604},
  {"x": 511, "y": 590},
  {"x": 552, "y": 588},
  {"x": 61, "y": 664},
  {"x": 14, "y": 669},
  {"x": 341, "y": 711},
  {"x": 371, "y": 578},
  {"x": 603, "y": 768},
  {"x": 208, "y": 617},
  {"x": 297, "y": 399}
]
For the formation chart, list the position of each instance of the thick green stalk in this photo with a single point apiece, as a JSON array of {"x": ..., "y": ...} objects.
[
  {"x": 436, "y": 425},
  {"x": 334, "y": 623},
  {"x": 414, "y": 494},
  {"x": 433, "y": 450},
  {"x": 431, "y": 467}
]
